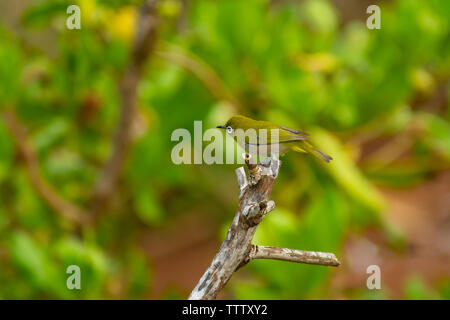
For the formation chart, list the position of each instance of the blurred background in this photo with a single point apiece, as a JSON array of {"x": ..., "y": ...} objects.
[{"x": 86, "y": 175}]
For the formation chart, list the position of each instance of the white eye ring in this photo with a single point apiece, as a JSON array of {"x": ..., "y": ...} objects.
[{"x": 229, "y": 130}]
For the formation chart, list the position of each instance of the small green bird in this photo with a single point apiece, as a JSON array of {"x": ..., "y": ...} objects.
[{"x": 278, "y": 140}]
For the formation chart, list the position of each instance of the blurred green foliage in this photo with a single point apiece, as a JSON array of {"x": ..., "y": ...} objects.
[{"x": 295, "y": 63}]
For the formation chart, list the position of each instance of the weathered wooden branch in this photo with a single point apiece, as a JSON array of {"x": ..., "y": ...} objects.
[
  {"x": 292, "y": 255},
  {"x": 143, "y": 46},
  {"x": 237, "y": 249}
]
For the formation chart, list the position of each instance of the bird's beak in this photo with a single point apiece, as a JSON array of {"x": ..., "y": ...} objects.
[{"x": 221, "y": 127}]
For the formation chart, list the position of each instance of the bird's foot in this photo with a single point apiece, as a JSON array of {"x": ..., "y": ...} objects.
[{"x": 266, "y": 162}]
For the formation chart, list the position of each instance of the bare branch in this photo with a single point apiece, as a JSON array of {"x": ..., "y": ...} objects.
[
  {"x": 299, "y": 256},
  {"x": 143, "y": 46},
  {"x": 69, "y": 210},
  {"x": 237, "y": 250}
]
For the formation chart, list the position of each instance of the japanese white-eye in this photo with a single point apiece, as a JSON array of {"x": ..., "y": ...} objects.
[{"x": 278, "y": 140}]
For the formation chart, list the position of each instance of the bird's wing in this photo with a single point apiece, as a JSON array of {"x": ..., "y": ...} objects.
[
  {"x": 265, "y": 143},
  {"x": 294, "y": 131},
  {"x": 284, "y": 136}
]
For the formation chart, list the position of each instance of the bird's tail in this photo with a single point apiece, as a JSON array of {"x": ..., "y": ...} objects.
[
  {"x": 321, "y": 155},
  {"x": 306, "y": 147}
]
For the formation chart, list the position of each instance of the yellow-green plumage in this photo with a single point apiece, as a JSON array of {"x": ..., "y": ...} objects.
[{"x": 288, "y": 139}]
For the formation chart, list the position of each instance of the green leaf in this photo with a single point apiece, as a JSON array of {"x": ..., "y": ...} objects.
[
  {"x": 50, "y": 134},
  {"x": 10, "y": 68},
  {"x": 436, "y": 133},
  {"x": 41, "y": 14},
  {"x": 93, "y": 263},
  {"x": 6, "y": 151},
  {"x": 148, "y": 208},
  {"x": 33, "y": 259},
  {"x": 416, "y": 289},
  {"x": 320, "y": 15}
]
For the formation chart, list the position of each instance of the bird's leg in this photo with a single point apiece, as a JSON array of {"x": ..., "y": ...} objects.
[{"x": 267, "y": 161}]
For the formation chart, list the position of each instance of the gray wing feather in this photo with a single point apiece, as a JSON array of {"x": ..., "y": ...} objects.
[
  {"x": 294, "y": 131},
  {"x": 268, "y": 144}
]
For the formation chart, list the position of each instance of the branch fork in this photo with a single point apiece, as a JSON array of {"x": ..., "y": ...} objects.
[{"x": 237, "y": 249}]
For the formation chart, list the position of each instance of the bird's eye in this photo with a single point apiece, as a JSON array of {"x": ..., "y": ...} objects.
[{"x": 229, "y": 130}]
